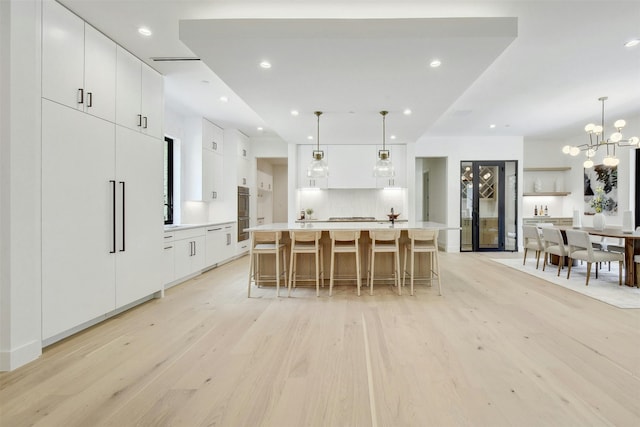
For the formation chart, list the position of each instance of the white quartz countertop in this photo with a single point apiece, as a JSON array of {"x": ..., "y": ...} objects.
[
  {"x": 176, "y": 227},
  {"x": 330, "y": 225}
]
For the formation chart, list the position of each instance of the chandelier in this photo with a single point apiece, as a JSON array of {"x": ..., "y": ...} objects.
[
  {"x": 318, "y": 167},
  {"x": 597, "y": 140},
  {"x": 383, "y": 166}
]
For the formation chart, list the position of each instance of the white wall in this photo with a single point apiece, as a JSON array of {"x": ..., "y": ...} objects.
[
  {"x": 20, "y": 183},
  {"x": 459, "y": 149},
  {"x": 280, "y": 193}
]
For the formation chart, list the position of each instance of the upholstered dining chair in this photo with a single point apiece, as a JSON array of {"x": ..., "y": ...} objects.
[
  {"x": 580, "y": 247},
  {"x": 553, "y": 245},
  {"x": 532, "y": 241}
]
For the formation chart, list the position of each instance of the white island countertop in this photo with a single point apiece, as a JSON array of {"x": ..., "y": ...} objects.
[{"x": 366, "y": 225}]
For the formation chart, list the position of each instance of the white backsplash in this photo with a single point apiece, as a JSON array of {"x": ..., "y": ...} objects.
[{"x": 356, "y": 202}]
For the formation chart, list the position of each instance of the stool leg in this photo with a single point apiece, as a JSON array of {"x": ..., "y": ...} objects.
[
  {"x": 333, "y": 255},
  {"x": 317, "y": 255},
  {"x": 290, "y": 272},
  {"x": 277, "y": 272},
  {"x": 397, "y": 273},
  {"x": 358, "y": 269},
  {"x": 373, "y": 262},
  {"x": 437, "y": 257},
  {"x": 284, "y": 266},
  {"x": 250, "y": 273},
  {"x": 413, "y": 255}
]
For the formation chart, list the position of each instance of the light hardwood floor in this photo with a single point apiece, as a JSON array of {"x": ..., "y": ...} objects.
[{"x": 499, "y": 348}]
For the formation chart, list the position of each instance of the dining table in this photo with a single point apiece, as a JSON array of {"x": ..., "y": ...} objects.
[{"x": 631, "y": 246}]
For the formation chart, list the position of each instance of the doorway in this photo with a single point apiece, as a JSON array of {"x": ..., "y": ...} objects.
[{"x": 488, "y": 206}]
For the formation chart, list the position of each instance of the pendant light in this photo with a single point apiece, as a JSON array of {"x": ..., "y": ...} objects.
[
  {"x": 318, "y": 168},
  {"x": 383, "y": 166}
]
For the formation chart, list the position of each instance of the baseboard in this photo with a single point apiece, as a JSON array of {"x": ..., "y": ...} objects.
[{"x": 10, "y": 360}]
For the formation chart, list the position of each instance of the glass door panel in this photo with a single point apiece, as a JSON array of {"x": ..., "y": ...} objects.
[{"x": 488, "y": 206}]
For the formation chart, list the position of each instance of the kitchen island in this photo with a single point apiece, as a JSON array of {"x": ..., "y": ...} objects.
[{"x": 345, "y": 263}]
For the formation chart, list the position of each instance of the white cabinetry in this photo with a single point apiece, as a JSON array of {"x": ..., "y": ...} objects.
[
  {"x": 168, "y": 256},
  {"x": 305, "y": 156},
  {"x": 189, "y": 251},
  {"x": 139, "y": 100},
  {"x": 244, "y": 170},
  {"x": 265, "y": 181},
  {"x": 218, "y": 241},
  {"x": 78, "y": 63},
  {"x": 101, "y": 217},
  {"x": 204, "y": 161},
  {"x": 352, "y": 166},
  {"x": 398, "y": 156}
]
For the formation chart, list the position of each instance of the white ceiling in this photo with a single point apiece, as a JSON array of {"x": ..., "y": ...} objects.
[{"x": 532, "y": 68}]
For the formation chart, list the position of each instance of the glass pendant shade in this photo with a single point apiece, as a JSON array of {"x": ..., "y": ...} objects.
[
  {"x": 318, "y": 168},
  {"x": 383, "y": 167}
]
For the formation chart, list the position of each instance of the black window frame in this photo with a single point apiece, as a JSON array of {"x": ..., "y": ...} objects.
[{"x": 168, "y": 166}]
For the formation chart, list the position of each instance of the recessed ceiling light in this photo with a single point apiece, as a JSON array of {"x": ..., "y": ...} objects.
[
  {"x": 492, "y": 126},
  {"x": 294, "y": 112},
  {"x": 224, "y": 99},
  {"x": 435, "y": 63},
  {"x": 632, "y": 43},
  {"x": 310, "y": 137},
  {"x": 406, "y": 111},
  {"x": 260, "y": 128},
  {"x": 393, "y": 137},
  {"x": 144, "y": 31},
  {"x": 265, "y": 64}
]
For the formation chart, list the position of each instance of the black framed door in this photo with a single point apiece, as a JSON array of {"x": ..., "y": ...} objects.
[{"x": 488, "y": 206}]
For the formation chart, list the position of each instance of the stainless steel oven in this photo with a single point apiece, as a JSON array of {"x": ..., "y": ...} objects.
[{"x": 243, "y": 213}]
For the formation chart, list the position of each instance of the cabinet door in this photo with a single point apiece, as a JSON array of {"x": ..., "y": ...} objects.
[
  {"x": 214, "y": 249},
  {"x": 183, "y": 253},
  {"x": 151, "y": 101},
  {"x": 243, "y": 172},
  {"x": 62, "y": 55},
  {"x": 168, "y": 268},
  {"x": 78, "y": 270},
  {"x": 212, "y": 137},
  {"x": 398, "y": 155},
  {"x": 128, "y": 90},
  {"x": 305, "y": 155},
  {"x": 199, "y": 252},
  {"x": 139, "y": 177},
  {"x": 212, "y": 176},
  {"x": 352, "y": 166},
  {"x": 99, "y": 74}
]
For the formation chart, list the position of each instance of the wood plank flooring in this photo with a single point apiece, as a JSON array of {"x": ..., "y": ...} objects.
[{"x": 499, "y": 348}]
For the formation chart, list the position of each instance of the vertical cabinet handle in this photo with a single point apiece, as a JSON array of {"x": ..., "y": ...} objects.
[
  {"x": 144, "y": 122},
  {"x": 214, "y": 194},
  {"x": 123, "y": 217},
  {"x": 194, "y": 248},
  {"x": 113, "y": 216},
  {"x": 80, "y": 96},
  {"x": 214, "y": 145},
  {"x": 89, "y": 99},
  {"x": 139, "y": 119}
]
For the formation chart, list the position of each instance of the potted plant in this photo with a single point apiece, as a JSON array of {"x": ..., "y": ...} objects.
[
  {"x": 599, "y": 203},
  {"x": 309, "y": 212}
]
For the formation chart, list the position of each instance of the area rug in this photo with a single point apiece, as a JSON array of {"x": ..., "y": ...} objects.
[{"x": 605, "y": 288}]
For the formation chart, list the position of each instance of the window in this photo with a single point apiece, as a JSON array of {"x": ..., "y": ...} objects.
[{"x": 168, "y": 180}]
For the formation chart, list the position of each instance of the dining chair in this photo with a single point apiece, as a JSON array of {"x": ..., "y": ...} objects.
[
  {"x": 553, "y": 245},
  {"x": 384, "y": 241},
  {"x": 266, "y": 243},
  {"x": 344, "y": 242},
  {"x": 532, "y": 241},
  {"x": 306, "y": 242},
  {"x": 580, "y": 247},
  {"x": 422, "y": 241}
]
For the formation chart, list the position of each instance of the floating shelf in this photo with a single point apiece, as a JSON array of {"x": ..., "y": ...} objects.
[
  {"x": 548, "y": 169},
  {"x": 549, "y": 193}
]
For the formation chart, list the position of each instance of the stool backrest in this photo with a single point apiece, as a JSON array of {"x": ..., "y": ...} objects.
[
  {"x": 305, "y": 236},
  {"x": 266, "y": 236},
  {"x": 426, "y": 235},
  {"x": 384, "y": 235},
  {"x": 344, "y": 235}
]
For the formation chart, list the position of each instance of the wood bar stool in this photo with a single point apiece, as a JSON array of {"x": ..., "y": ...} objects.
[
  {"x": 423, "y": 241},
  {"x": 306, "y": 242},
  {"x": 384, "y": 241},
  {"x": 263, "y": 243},
  {"x": 343, "y": 242}
]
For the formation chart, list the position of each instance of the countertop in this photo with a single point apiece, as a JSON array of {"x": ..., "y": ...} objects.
[
  {"x": 176, "y": 227},
  {"x": 340, "y": 225}
]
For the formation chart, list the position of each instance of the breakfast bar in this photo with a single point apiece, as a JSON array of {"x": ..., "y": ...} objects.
[{"x": 344, "y": 265}]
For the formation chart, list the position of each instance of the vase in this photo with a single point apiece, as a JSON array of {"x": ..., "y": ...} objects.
[
  {"x": 537, "y": 185},
  {"x": 598, "y": 221}
]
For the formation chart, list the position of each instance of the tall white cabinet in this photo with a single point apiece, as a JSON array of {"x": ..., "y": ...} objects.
[
  {"x": 80, "y": 63},
  {"x": 102, "y": 223}
]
